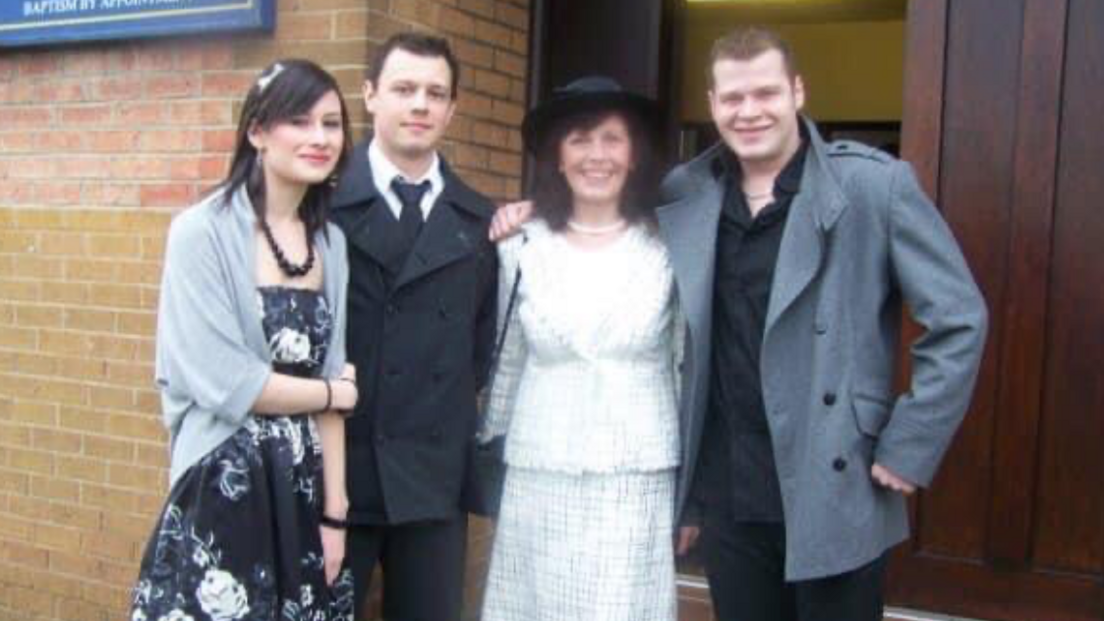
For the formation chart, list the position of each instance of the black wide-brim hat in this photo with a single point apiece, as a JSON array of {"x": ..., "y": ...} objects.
[{"x": 587, "y": 94}]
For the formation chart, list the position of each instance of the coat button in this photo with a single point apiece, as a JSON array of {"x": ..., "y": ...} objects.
[
  {"x": 839, "y": 464},
  {"x": 820, "y": 328},
  {"x": 392, "y": 310},
  {"x": 381, "y": 439},
  {"x": 829, "y": 398},
  {"x": 443, "y": 312}
]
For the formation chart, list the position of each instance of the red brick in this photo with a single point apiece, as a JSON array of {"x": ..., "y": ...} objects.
[
  {"x": 117, "y": 88},
  {"x": 172, "y": 141},
  {"x": 510, "y": 63},
  {"x": 509, "y": 113},
  {"x": 39, "y": 65},
  {"x": 117, "y": 141},
  {"x": 87, "y": 167},
  {"x": 494, "y": 34},
  {"x": 59, "y": 141},
  {"x": 138, "y": 114},
  {"x": 90, "y": 114},
  {"x": 146, "y": 167},
  {"x": 480, "y": 7},
  {"x": 200, "y": 113},
  {"x": 109, "y": 194},
  {"x": 304, "y": 26},
  {"x": 512, "y": 16},
  {"x": 59, "y": 91},
  {"x": 58, "y": 193},
  {"x": 455, "y": 22},
  {"x": 151, "y": 58},
  {"x": 172, "y": 86},
  {"x": 491, "y": 83},
  {"x": 474, "y": 54},
  {"x": 490, "y": 134},
  {"x": 167, "y": 195},
  {"x": 219, "y": 140},
  {"x": 87, "y": 62},
  {"x": 226, "y": 84}
]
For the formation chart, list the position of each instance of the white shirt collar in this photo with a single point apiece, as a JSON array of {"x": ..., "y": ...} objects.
[{"x": 384, "y": 172}]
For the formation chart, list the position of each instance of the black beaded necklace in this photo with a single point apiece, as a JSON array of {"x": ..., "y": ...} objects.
[{"x": 287, "y": 267}]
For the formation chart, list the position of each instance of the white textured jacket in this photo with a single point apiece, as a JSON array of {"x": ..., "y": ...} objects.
[{"x": 586, "y": 378}]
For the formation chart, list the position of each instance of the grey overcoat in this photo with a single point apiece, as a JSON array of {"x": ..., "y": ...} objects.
[{"x": 862, "y": 241}]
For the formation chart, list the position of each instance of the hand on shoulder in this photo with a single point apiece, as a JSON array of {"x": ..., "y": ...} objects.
[{"x": 508, "y": 220}]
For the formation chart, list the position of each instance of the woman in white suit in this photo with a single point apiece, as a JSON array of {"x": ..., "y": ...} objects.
[{"x": 585, "y": 384}]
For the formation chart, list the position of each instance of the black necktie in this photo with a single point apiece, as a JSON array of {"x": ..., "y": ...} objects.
[{"x": 410, "y": 218}]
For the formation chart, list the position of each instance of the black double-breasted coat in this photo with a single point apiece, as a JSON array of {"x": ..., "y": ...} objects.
[{"x": 421, "y": 347}]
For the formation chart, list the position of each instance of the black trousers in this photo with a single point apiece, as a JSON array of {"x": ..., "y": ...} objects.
[
  {"x": 423, "y": 568},
  {"x": 745, "y": 561}
]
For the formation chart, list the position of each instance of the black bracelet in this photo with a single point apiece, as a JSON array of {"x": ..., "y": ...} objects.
[
  {"x": 329, "y": 396},
  {"x": 332, "y": 522}
]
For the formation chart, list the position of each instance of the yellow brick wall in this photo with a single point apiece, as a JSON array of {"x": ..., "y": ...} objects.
[{"x": 100, "y": 145}]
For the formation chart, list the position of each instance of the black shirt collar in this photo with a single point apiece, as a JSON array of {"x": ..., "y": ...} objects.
[{"x": 787, "y": 182}]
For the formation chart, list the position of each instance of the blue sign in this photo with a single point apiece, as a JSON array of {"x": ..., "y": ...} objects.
[{"x": 39, "y": 22}]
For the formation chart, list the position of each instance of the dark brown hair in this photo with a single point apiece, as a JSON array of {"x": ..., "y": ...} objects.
[
  {"x": 748, "y": 42},
  {"x": 418, "y": 44},
  {"x": 552, "y": 198},
  {"x": 285, "y": 89}
]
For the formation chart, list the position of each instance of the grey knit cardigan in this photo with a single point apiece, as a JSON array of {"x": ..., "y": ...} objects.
[{"x": 212, "y": 358}]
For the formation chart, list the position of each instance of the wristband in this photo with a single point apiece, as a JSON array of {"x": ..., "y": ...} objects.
[
  {"x": 332, "y": 522},
  {"x": 329, "y": 396}
]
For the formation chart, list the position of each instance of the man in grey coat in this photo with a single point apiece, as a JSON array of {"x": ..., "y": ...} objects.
[{"x": 794, "y": 259}]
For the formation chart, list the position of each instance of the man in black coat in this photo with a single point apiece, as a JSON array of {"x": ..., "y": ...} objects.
[{"x": 422, "y": 293}]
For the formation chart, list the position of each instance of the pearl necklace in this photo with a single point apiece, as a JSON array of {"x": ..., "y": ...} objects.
[{"x": 605, "y": 229}]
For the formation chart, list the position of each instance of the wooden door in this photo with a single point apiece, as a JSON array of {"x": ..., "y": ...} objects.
[{"x": 1002, "y": 122}]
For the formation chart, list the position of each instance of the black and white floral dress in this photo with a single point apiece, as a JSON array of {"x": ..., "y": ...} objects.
[{"x": 239, "y": 535}]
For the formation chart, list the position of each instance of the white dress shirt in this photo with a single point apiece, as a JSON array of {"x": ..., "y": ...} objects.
[{"x": 384, "y": 172}]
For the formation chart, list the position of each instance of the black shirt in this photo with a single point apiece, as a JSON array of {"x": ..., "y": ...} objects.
[{"x": 746, "y": 254}]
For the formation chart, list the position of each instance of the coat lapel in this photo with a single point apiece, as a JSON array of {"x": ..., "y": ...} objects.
[
  {"x": 815, "y": 209},
  {"x": 365, "y": 228},
  {"x": 456, "y": 226},
  {"x": 445, "y": 238},
  {"x": 689, "y": 230},
  {"x": 359, "y": 209}
]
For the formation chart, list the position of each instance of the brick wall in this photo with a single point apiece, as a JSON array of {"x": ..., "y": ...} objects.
[{"x": 99, "y": 146}]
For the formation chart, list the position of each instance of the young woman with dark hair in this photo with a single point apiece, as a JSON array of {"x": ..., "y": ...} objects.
[
  {"x": 584, "y": 389},
  {"x": 251, "y": 367}
]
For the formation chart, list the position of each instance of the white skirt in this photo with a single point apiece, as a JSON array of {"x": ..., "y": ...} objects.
[{"x": 583, "y": 547}]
